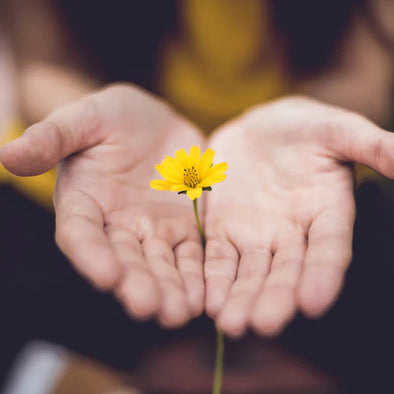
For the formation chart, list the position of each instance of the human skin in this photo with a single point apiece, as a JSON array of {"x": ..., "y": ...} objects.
[
  {"x": 49, "y": 59},
  {"x": 120, "y": 234},
  {"x": 279, "y": 230}
]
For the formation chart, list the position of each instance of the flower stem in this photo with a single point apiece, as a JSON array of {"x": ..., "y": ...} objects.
[
  {"x": 200, "y": 229},
  {"x": 218, "y": 375}
]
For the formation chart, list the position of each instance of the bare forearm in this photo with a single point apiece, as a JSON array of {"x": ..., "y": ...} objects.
[
  {"x": 50, "y": 70},
  {"x": 362, "y": 78}
]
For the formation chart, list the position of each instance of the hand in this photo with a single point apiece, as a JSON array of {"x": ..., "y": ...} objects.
[
  {"x": 119, "y": 233},
  {"x": 279, "y": 230}
]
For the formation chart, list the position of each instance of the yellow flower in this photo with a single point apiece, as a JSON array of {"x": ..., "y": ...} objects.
[{"x": 190, "y": 174}]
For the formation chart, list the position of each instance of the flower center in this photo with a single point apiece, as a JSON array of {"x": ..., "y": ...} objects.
[{"x": 190, "y": 177}]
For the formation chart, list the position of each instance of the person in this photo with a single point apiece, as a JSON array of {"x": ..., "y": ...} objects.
[{"x": 279, "y": 230}]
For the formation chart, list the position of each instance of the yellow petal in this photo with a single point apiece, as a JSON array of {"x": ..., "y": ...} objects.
[
  {"x": 212, "y": 180},
  {"x": 194, "y": 156},
  {"x": 175, "y": 163},
  {"x": 160, "y": 184},
  {"x": 169, "y": 173},
  {"x": 194, "y": 193},
  {"x": 182, "y": 157},
  {"x": 206, "y": 161},
  {"x": 179, "y": 188},
  {"x": 216, "y": 170}
]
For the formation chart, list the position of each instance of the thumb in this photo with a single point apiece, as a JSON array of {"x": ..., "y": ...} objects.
[
  {"x": 361, "y": 141},
  {"x": 67, "y": 130}
]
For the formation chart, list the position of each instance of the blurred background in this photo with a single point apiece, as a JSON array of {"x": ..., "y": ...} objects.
[{"x": 211, "y": 59}]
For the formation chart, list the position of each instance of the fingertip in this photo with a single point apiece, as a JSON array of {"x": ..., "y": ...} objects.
[
  {"x": 233, "y": 333},
  {"x": 312, "y": 309},
  {"x": 231, "y": 324},
  {"x": 194, "y": 286},
  {"x": 174, "y": 313},
  {"x": 233, "y": 318},
  {"x": 268, "y": 330},
  {"x": 35, "y": 152},
  {"x": 173, "y": 322},
  {"x": 195, "y": 295},
  {"x": 317, "y": 293},
  {"x": 105, "y": 276},
  {"x": 217, "y": 290},
  {"x": 140, "y": 294},
  {"x": 268, "y": 325},
  {"x": 9, "y": 157},
  {"x": 268, "y": 319},
  {"x": 196, "y": 303},
  {"x": 214, "y": 303}
]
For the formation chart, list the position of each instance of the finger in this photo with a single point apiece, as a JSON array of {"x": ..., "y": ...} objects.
[
  {"x": 327, "y": 257},
  {"x": 253, "y": 267},
  {"x": 174, "y": 307},
  {"x": 138, "y": 289},
  {"x": 220, "y": 268},
  {"x": 189, "y": 261},
  {"x": 80, "y": 235},
  {"x": 359, "y": 140},
  {"x": 67, "y": 130},
  {"x": 276, "y": 303}
]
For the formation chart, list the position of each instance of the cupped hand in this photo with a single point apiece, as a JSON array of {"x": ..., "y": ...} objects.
[
  {"x": 120, "y": 234},
  {"x": 279, "y": 229}
]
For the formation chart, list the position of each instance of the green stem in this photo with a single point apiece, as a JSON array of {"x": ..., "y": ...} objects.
[
  {"x": 218, "y": 375},
  {"x": 200, "y": 229}
]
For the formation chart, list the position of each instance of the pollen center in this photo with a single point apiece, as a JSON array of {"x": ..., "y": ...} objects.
[{"x": 190, "y": 177}]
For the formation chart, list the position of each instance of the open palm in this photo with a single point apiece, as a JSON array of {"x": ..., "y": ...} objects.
[
  {"x": 279, "y": 230},
  {"x": 119, "y": 233}
]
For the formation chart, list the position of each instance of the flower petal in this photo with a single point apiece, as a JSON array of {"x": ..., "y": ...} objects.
[
  {"x": 160, "y": 184},
  {"x": 182, "y": 157},
  {"x": 206, "y": 161},
  {"x": 212, "y": 180},
  {"x": 216, "y": 170},
  {"x": 179, "y": 188},
  {"x": 175, "y": 163},
  {"x": 194, "y": 193},
  {"x": 194, "y": 156},
  {"x": 169, "y": 172}
]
